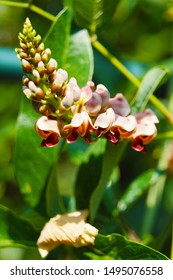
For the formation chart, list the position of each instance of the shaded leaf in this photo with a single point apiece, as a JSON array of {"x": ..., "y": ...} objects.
[
  {"x": 153, "y": 78},
  {"x": 137, "y": 188},
  {"x": 15, "y": 231},
  {"x": 87, "y": 179},
  {"x": 117, "y": 247},
  {"x": 110, "y": 160},
  {"x": 92, "y": 14},
  {"x": 32, "y": 162},
  {"x": 54, "y": 203}
]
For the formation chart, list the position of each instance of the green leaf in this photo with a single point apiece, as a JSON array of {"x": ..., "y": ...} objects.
[
  {"x": 54, "y": 202},
  {"x": 72, "y": 52},
  {"x": 87, "y": 180},
  {"x": 15, "y": 231},
  {"x": 31, "y": 161},
  {"x": 151, "y": 81},
  {"x": 110, "y": 160},
  {"x": 57, "y": 38},
  {"x": 117, "y": 247},
  {"x": 79, "y": 60},
  {"x": 137, "y": 188},
  {"x": 92, "y": 14}
]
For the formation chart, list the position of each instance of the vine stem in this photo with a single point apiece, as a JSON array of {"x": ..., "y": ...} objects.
[
  {"x": 31, "y": 7},
  {"x": 155, "y": 101}
]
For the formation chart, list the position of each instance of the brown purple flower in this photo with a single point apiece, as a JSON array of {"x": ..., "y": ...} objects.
[
  {"x": 145, "y": 130},
  {"x": 48, "y": 129}
]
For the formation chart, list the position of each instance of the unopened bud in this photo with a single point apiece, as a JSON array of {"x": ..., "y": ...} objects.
[
  {"x": 40, "y": 93},
  {"x": 51, "y": 66},
  {"x": 67, "y": 100},
  {"x": 36, "y": 75},
  {"x": 74, "y": 89},
  {"x": 45, "y": 55},
  {"x": 40, "y": 48},
  {"x": 37, "y": 40},
  {"x": 27, "y": 67},
  {"x": 32, "y": 86},
  {"x": 25, "y": 80},
  {"x": 27, "y": 92}
]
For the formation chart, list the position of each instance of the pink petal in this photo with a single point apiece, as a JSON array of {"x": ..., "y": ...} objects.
[
  {"x": 105, "y": 120},
  {"x": 120, "y": 105},
  {"x": 146, "y": 116},
  {"x": 126, "y": 123}
]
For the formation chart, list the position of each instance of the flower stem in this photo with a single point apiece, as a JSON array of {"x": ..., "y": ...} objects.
[
  {"x": 31, "y": 7},
  {"x": 155, "y": 101}
]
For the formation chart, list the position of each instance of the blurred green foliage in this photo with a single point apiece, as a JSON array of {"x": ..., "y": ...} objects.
[{"x": 139, "y": 33}]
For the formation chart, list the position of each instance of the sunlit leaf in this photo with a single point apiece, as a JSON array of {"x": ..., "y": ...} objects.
[
  {"x": 152, "y": 79},
  {"x": 79, "y": 60},
  {"x": 57, "y": 38},
  {"x": 15, "y": 231},
  {"x": 117, "y": 247}
]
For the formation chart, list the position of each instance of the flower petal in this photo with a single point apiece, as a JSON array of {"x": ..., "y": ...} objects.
[
  {"x": 105, "y": 120},
  {"x": 125, "y": 125},
  {"x": 119, "y": 104}
]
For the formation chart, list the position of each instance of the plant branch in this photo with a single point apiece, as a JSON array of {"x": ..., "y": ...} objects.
[
  {"x": 31, "y": 7},
  {"x": 155, "y": 101}
]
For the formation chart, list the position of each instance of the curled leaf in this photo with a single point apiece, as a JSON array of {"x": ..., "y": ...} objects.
[{"x": 69, "y": 229}]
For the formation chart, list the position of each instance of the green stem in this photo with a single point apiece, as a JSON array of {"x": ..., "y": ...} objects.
[
  {"x": 155, "y": 101},
  {"x": 31, "y": 7},
  {"x": 165, "y": 135},
  {"x": 14, "y": 4},
  {"x": 41, "y": 12}
]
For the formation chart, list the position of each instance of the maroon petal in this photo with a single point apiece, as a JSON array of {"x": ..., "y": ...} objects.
[
  {"x": 51, "y": 140},
  {"x": 112, "y": 137},
  {"x": 72, "y": 138},
  {"x": 138, "y": 145}
]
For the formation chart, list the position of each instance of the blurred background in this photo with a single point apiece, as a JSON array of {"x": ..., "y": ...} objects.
[{"x": 140, "y": 35}]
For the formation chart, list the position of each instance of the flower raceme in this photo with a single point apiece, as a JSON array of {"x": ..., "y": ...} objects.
[{"x": 69, "y": 111}]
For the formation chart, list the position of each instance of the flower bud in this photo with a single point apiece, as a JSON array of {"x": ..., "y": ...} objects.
[
  {"x": 46, "y": 54},
  {"x": 37, "y": 40},
  {"x": 37, "y": 58},
  {"x": 27, "y": 92},
  {"x": 27, "y": 67},
  {"x": 67, "y": 100},
  {"x": 51, "y": 66},
  {"x": 74, "y": 89},
  {"x": 32, "y": 86},
  {"x": 40, "y": 48}
]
